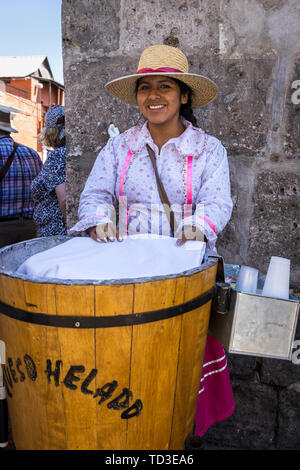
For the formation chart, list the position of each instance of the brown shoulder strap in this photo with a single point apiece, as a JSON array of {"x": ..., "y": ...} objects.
[
  {"x": 8, "y": 162},
  {"x": 162, "y": 192}
]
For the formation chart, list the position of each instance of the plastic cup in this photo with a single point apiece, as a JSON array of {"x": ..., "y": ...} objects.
[
  {"x": 247, "y": 280},
  {"x": 277, "y": 281}
]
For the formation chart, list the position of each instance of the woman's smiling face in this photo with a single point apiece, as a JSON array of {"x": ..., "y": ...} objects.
[{"x": 159, "y": 99}]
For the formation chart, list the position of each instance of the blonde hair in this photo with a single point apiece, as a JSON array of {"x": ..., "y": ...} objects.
[{"x": 50, "y": 137}]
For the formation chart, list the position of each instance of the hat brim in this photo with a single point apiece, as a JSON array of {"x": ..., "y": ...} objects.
[
  {"x": 204, "y": 89},
  {"x": 7, "y": 128}
]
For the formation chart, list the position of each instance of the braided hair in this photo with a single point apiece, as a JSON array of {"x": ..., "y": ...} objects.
[{"x": 186, "y": 110}]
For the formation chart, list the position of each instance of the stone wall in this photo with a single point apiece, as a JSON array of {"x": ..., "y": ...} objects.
[
  {"x": 267, "y": 414},
  {"x": 251, "y": 50}
]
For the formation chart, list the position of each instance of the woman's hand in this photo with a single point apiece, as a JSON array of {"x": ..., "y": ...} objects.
[
  {"x": 104, "y": 233},
  {"x": 190, "y": 232}
]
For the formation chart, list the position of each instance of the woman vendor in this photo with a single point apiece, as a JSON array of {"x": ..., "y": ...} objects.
[{"x": 193, "y": 169}]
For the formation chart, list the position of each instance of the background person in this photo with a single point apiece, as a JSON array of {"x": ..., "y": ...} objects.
[
  {"x": 16, "y": 203},
  {"x": 49, "y": 187}
]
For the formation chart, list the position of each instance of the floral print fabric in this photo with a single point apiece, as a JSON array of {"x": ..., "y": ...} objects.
[{"x": 47, "y": 214}]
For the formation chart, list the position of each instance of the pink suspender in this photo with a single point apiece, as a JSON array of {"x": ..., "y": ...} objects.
[
  {"x": 122, "y": 178},
  {"x": 189, "y": 193},
  {"x": 189, "y": 180},
  {"x": 123, "y": 172}
]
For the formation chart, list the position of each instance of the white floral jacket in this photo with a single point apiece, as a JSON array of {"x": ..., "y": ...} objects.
[{"x": 192, "y": 167}]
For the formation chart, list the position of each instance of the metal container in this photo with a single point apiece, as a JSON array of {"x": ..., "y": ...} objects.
[{"x": 253, "y": 324}]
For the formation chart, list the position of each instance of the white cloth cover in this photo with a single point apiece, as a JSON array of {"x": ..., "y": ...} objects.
[{"x": 136, "y": 256}]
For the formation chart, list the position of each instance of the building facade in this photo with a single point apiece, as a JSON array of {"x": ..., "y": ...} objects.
[{"x": 28, "y": 88}]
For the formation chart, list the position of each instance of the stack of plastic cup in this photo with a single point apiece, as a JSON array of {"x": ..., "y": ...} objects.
[
  {"x": 277, "y": 281},
  {"x": 247, "y": 280}
]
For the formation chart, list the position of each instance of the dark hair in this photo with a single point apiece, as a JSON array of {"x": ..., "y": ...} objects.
[{"x": 186, "y": 110}]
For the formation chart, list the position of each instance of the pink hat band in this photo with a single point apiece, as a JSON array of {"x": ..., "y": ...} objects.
[{"x": 160, "y": 69}]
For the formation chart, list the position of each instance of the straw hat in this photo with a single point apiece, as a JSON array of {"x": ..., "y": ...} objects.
[{"x": 168, "y": 61}]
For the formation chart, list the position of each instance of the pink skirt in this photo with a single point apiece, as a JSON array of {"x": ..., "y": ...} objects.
[{"x": 215, "y": 397}]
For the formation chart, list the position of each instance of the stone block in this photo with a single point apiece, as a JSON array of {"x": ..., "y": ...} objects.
[
  {"x": 291, "y": 143},
  {"x": 233, "y": 242},
  {"x": 187, "y": 24},
  {"x": 77, "y": 171},
  {"x": 89, "y": 28},
  {"x": 252, "y": 425},
  {"x": 275, "y": 223},
  {"x": 244, "y": 29},
  {"x": 240, "y": 114},
  {"x": 288, "y": 432},
  {"x": 241, "y": 366},
  {"x": 279, "y": 372}
]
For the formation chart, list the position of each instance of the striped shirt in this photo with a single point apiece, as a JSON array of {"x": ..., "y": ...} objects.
[{"x": 15, "y": 191}]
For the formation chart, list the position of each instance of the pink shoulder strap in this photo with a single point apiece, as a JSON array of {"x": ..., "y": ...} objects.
[
  {"x": 189, "y": 192},
  {"x": 122, "y": 178},
  {"x": 188, "y": 184}
]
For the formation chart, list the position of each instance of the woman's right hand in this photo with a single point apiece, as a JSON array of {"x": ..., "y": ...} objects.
[{"x": 104, "y": 233}]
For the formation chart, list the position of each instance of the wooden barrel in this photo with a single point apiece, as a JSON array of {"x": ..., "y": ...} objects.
[{"x": 102, "y": 365}]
